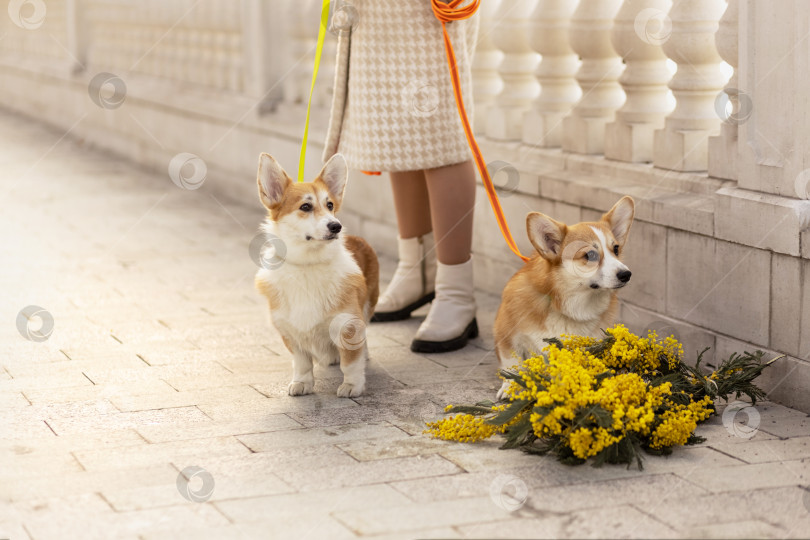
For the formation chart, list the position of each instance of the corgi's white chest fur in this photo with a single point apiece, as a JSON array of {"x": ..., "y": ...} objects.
[
  {"x": 580, "y": 311},
  {"x": 581, "y": 315},
  {"x": 308, "y": 293},
  {"x": 580, "y": 308}
]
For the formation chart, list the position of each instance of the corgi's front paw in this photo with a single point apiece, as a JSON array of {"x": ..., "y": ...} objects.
[
  {"x": 298, "y": 388},
  {"x": 350, "y": 390},
  {"x": 502, "y": 392}
]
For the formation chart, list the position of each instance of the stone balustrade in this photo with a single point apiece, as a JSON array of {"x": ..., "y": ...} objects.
[
  {"x": 609, "y": 73},
  {"x": 175, "y": 40},
  {"x": 694, "y": 107},
  {"x": 587, "y": 76}
]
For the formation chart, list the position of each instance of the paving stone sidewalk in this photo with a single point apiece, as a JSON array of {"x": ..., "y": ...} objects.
[{"x": 162, "y": 361}]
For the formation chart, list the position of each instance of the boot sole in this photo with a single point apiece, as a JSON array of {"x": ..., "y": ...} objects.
[
  {"x": 471, "y": 332},
  {"x": 404, "y": 313}
]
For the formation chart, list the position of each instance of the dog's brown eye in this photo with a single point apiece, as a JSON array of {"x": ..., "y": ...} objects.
[
  {"x": 592, "y": 256},
  {"x": 306, "y": 207},
  {"x": 329, "y": 205},
  {"x": 616, "y": 249}
]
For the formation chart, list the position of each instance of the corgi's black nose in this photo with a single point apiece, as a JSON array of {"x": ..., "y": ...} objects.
[
  {"x": 624, "y": 276},
  {"x": 334, "y": 227}
]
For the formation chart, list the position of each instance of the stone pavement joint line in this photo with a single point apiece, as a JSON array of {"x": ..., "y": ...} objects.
[{"x": 162, "y": 360}]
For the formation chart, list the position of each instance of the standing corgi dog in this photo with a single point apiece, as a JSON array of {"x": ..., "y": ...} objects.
[
  {"x": 570, "y": 288},
  {"x": 324, "y": 285}
]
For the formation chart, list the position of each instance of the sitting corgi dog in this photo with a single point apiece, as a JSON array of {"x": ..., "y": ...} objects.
[
  {"x": 570, "y": 288},
  {"x": 323, "y": 287}
]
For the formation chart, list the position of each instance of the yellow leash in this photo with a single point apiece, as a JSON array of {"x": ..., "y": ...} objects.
[{"x": 318, "y": 51}]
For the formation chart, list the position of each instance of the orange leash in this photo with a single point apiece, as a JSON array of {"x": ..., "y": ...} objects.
[{"x": 452, "y": 12}]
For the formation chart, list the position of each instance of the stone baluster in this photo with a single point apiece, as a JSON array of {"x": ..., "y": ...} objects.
[
  {"x": 98, "y": 52},
  {"x": 520, "y": 88},
  {"x": 301, "y": 47},
  {"x": 236, "y": 66},
  {"x": 168, "y": 53},
  {"x": 194, "y": 54},
  {"x": 221, "y": 59},
  {"x": 310, "y": 28},
  {"x": 211, "y": 17},
  {"x": 179, "y": 53},
  {"x": 232, "y": 19},
  {"x": 124, "y": 44},
  {"x": 222, "y": 51},
  {"x": 153, "y": 62},
  {"x": 548, "y": 35},
  {"x": 589, "y": 36},
  {"x": 207, "y": 58},
  {"x": 640, "y": 28},
  {"x": 198, "y": 24},
  {"x": 683, "y": 143},
  {"x": 76, "y": 41},
  {"x": 486, "y": 82},
  {"x": 723, "y": 148},
  {"x": 191, "y": 53},
  {"x": 164, "y": 54},
  {"x": 186, "y": 53},
  {"x": 98, "y": 55},
  {"x": 264, "y": 52}
]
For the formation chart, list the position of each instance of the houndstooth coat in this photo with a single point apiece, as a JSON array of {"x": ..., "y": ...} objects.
[{"x": 393, "y": 107}]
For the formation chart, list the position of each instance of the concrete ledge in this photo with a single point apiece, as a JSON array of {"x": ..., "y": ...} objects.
[{"x": 761, "y": 220}]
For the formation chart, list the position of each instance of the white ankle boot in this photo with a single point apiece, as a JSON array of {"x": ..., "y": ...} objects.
[
  {"x": 413, "y": 282},
  {"x": 451, "y": 321}
]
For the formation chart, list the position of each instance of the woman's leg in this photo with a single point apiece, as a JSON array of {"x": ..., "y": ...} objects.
[
  {"x": 452, "y": 202},
  {"x": 412, "y": 284},
  {"x": 411, "y": 203},
  {"x": 451, "y": 320}
]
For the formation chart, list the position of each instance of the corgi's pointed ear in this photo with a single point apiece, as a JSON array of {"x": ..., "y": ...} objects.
[
  {"x": 620, "y": 217},
  {"x": 335, "y": 174},
  {"x": 272, "y": 180},
  {"x": 545, "y": 234}
]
